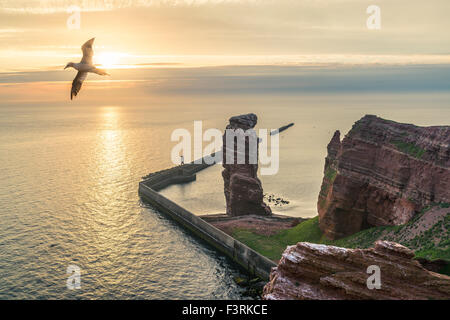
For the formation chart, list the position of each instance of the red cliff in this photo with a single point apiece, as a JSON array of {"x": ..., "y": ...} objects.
[
  {"x": 309, "y": 271},
  {"x": 382, "y": 173}
]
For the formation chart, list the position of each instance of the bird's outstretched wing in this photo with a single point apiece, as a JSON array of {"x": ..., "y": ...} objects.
[
  {"x": 101, "y": 72},
  {"x": 77, "y": 83},
  {"x": 88, "y": 52}
]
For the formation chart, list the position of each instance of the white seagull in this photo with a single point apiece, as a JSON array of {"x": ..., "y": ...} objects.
[{"x": 84, "y": 67}]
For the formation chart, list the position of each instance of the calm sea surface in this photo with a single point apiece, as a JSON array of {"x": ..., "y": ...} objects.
[{"x": 69, "y": 180}]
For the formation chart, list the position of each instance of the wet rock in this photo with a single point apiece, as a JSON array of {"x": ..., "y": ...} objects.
[{"x": 277, "y": 201}]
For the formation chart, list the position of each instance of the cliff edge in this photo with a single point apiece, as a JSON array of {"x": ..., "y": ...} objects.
[
  {"x": 382, "y": 173},
  {"x": 309, "y": 271}
]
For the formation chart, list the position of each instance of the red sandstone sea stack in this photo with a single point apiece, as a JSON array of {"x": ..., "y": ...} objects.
[
  {"x": 382, "y": 173},
  {"x": 243, "y": 190}
]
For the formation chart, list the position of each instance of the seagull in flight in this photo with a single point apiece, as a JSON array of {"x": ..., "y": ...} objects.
[{"x": 84, "y": 67}]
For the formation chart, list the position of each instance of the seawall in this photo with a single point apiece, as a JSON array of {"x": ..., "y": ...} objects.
[{"x": 250, "y": 260}]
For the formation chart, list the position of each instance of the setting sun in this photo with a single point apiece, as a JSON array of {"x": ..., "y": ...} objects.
[{"x": 108, "y": 60}]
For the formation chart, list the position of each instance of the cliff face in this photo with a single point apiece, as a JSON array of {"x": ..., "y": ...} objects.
[
  {"x": 242, "y": 188},
  {"x": 382, "y": 173},
  {"x": 314, "y": 271}
]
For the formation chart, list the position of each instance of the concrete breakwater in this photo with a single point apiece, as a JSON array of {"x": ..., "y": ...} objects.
[{"x": 250, "y": 260}]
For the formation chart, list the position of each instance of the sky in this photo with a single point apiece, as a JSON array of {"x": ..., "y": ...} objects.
[
  {"x": 36, "y": 42},
  {"x": 34, "y": 33}
]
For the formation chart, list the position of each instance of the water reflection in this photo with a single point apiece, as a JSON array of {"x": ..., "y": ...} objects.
[{"x": 106, "y": 221}]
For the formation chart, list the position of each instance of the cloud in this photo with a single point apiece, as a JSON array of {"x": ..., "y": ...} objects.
[
  {"x": 223, "y": 28},
  {"x": 54, "y": 6}
]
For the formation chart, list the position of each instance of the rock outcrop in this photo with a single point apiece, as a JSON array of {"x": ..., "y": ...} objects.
[
  {"x": 243, "y": 190},
  {"x": 314, "y": 271},
  {"x": 382, "y": 173}
]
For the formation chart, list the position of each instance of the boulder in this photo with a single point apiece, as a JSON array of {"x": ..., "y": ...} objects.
[{"x": 309, "y": 271}]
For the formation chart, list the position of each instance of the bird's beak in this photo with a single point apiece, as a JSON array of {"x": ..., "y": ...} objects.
[{"x": 66, "y": 67}]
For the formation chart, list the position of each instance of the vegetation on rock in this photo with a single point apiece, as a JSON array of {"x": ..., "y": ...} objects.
[{"x": 427, "y": 234}]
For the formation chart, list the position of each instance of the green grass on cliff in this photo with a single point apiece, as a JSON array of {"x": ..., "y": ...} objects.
[
  {"x": 409, "y": 148},
  {"x": 432, "y": 243},
  {"x": 330, "y": 174},
  {"x": 273, "y": 246}
]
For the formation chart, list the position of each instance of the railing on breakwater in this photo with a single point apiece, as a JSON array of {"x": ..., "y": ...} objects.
[{"x": 250, "y": 260}]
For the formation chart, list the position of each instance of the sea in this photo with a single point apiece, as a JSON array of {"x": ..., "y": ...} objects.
[{"x": 69, "y": 186}]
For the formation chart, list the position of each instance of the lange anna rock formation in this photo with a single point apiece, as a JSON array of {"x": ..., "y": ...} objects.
[
  {"x": 382, "y": 173},
  {"x": 243, "y": 190}
]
